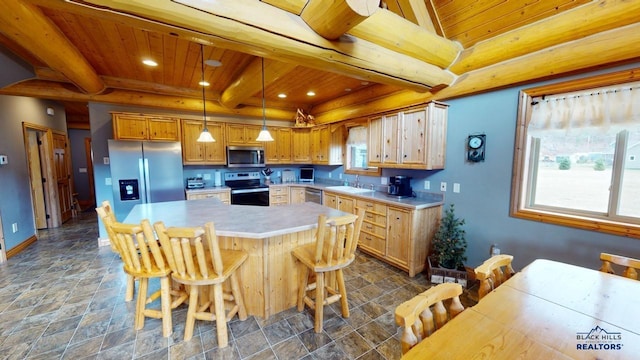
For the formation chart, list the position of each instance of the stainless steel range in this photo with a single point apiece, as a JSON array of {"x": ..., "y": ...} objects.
[{"x": 246, "y": 188}]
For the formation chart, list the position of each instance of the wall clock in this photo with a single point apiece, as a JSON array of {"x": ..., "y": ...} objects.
[{"x": 475, "y": 147}]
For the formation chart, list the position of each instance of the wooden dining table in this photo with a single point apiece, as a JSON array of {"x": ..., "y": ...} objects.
[{"x": 549, "y": 310}]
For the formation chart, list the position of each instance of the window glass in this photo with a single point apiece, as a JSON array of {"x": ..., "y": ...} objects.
[{"x": 356, "y": 159}]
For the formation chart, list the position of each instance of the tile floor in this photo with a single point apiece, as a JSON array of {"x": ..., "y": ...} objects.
[{"x": 63, "y": 297}]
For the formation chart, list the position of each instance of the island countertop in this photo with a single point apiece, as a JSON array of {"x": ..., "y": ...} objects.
[{"x": 252, "y": 222}]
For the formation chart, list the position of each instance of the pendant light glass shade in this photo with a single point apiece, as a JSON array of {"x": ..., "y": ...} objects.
[
  {"x": 205, "y": 135},
  {"x": 264, "y": 134}
]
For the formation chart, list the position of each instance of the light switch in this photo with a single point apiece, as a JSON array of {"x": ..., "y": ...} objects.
[
  {"x": 456, "y": 187},
  {"x": 4, "y": 160}
]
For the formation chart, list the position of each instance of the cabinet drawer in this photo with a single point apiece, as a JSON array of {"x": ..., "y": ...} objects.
[
  {"x": 278, "y": 190},
  {"x": 280, "y": 199},
  {"x": 372, "y": 243},
  {"x": 373, "y": 207},
  {"x": 380, "y": 231}
]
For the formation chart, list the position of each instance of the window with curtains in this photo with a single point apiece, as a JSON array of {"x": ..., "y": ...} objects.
[
  {"x": 577, "y": 156},
  {"x": 356, "y": 152}
]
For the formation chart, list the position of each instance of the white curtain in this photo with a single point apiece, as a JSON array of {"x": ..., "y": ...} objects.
[
  {"x": 357, "y": 135},
  {"x": 599, "y": 110}
]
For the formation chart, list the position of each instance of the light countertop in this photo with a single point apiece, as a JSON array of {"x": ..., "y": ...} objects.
[{"x": 253, "y": 222}]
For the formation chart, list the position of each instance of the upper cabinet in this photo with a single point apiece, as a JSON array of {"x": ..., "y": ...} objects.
[
  {"x": 128, "y": 126},
  {"x": 301, "y": 145},
  {"x": 411, "y": 139},
  {"x": 243, "y": 134},
  {"x": 197, "y": 153},
  {"x": 279, "y": 150},
  {"x": 327, "y": 144}
]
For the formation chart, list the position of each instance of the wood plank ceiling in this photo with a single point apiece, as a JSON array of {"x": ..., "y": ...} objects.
[{"x": 495, "y": 42}]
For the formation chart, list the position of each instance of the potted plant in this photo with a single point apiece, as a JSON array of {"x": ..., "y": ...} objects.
[{"x": 449, "y": 247}]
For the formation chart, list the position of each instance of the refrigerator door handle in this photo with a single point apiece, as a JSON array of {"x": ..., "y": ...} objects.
[
  {"x": 147, "y": 184},
  {"x": 143, "y": 182}
]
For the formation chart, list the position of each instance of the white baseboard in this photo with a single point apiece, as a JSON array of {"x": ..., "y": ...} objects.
[{"x": 104, "y": 242}]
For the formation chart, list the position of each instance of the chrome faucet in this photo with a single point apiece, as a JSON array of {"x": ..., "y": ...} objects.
[{"x": 357, "y": 183}]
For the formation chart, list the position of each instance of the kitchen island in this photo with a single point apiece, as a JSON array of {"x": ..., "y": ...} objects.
[{"x": 269, "y": 277}]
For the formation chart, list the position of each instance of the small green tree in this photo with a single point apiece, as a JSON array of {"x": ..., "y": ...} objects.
[
  {"x": 565, "y": 164},
  {"x": 599, "y": 165},
  {"x": 449, "y": 242}
]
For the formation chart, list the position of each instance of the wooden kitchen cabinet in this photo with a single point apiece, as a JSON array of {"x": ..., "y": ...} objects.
[
  {"x": 411, "y": 139},
  {"x": 301, "y": 145},
  {"x": 297, "y": 194},
  {"x": 338, "y": 201},
  {"x": 398, "y": 237},
  {"x": 196, "y": 153},
  {"x": 279, "y": 150},
  {"x": 278, "y": 195},
  {"x": 243, "y": 134},
  {"x": 224, "y": 195},
  {"x": 373, "y": 233},
  {"x": 127, "y": 126},
  {"x": 326, "y": 144}
]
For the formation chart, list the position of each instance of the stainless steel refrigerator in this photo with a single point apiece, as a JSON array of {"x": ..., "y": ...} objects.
[{"x": 144, "y": 172}]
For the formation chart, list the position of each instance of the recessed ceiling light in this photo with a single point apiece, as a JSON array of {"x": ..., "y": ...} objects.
[
  {"x": 203, "y": 83},
  {"x": 282, "y": 96},
  {"x": 311, "y": 93},
  {"x": 364, "y": 83},
  {"x": 347, "y": 89},
  {"x": 149, "y": 62},
  {"x": 213, "y": 62}
]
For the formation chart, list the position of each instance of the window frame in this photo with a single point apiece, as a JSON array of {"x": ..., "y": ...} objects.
[{"x": 523, "y": 154}]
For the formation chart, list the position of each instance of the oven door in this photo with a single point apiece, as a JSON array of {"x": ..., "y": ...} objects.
[{"x": 257, "y": 196}]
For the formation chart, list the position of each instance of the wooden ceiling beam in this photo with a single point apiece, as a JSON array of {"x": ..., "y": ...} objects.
[
  {"x": 574, "y": 24},
  {"x": 587, "y": 53},
  {"x": 25, "y": 24},
  {"x": 264, "y": 30},
  {"x": 332, "y": 19},
  {"x": 416, "y": 11},
  {"x": 393, "y": 32},
  {"x": 292, "y": 6},
  {"x": 249, "y": 82},
  {"x": 67, "y": 92}
]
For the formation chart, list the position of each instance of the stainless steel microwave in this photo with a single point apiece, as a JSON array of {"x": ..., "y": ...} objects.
[{"x": 245, "y": 156}]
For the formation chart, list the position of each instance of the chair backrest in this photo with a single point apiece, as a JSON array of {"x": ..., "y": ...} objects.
[
  {"x": 337, "y": 239},
  {"x": 493, "y": 272},
  {"x": 140, "y": 251},
  {"x": 631, "y": 265},
  {"x": 179, "y": 245},
  {"x": 425, "y": 313},
  {"x": 106, "y": 214}
]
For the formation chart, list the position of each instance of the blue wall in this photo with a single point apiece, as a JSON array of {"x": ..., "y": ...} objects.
[{"x": 15, "y": 192}]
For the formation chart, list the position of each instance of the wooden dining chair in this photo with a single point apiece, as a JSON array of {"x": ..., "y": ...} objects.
[
  {"x": 425, "y": 313},
  {"x": 631, "y": 265},
  {"x": 333, "y": 250},
  {"x": 204, "y": 273},
  {"x": 106, "y": 214},
  {"x": 493, "y": 272},
  {"x": 144, "y": 260}
]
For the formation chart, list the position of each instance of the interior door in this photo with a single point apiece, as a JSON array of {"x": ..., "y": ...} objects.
[{"x": 61, "y": 161}]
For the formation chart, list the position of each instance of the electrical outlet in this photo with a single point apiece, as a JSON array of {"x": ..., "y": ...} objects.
[
  {"x": 105, "y": 160},
  {"x": 340, "y": 176},
  {"x": 443, "y": 186},
  {"x": 329, "y": 175},
  {"x": 14, "y": 227},
  {"x": 456, "y": 187},
  {"x": 427, "y": 184},
  {"x": 383, "y": 181},
  {"x": 107, "y": 181}
]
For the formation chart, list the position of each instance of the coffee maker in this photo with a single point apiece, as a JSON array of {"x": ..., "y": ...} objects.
[{"x": 400, "y": 186}]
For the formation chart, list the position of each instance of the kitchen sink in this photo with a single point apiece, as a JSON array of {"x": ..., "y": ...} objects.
[{"x": 348, "y": 189}]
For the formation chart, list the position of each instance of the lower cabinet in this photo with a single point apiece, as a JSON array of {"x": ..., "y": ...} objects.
[
  {"x": 224, "y": 195},
  {"x": 296, "y": 194},
  {"x": 396, "y": 235},
  {"x": 278, "y": 195}
]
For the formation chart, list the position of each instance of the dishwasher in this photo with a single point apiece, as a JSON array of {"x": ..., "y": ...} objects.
[{"x": 313, "y": 195}]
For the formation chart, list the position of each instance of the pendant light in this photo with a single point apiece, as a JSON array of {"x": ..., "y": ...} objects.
[
  {"x": 205, "y": 135},
  {"x": 264, "y": 134}
]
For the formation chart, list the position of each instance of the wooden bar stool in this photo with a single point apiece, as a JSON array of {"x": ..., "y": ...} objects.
[
  {"x": 105, "y": 213},
  {"x": 143, "y": 260},
  {"x": 491, "y": 273},
  {"x": 204, "y": 271},
  {"x": 333, "y": 250}
]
